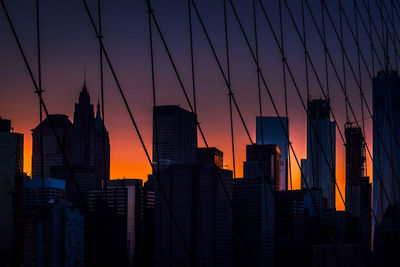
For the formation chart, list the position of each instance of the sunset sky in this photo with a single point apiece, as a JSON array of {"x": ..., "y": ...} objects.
[{"x": 69, "y": 43}]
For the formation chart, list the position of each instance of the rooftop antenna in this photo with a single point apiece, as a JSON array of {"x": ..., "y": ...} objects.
[{"x": 84, "y": 75}]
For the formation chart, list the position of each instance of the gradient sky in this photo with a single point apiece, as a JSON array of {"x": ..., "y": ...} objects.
[{"x": 69, "y": 43}]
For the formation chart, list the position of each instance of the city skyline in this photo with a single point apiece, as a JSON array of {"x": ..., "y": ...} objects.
[{"x": 137, "y": 81}]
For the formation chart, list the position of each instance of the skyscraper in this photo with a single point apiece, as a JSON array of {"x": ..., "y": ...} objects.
[
  {"x": 11, "y": 194},
  {"x": 386, "y": 135},
  {"x": 90, "y": 153},
  {"x": 269, "y": 131},
  {"x": 54, "y": 164},
  {"x": 263, "y": 162},
  {"x": 254, "y": 204},
  {"x": 176, "y": 136},
  {"x": 321, "y": 150}
]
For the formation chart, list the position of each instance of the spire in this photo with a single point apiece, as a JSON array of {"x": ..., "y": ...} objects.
[
  {"x": 98, "y": 115},
  {"x": 84, "y": 76}
]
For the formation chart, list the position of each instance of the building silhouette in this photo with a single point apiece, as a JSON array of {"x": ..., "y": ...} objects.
[
  {"x": 11, "y": 195},
  {"x": 270, "y": 131},
  {"x": 386, "y": 135},
  {"x": 319, "y": 168},
  {"x": 54, "y": 164},
  {"x": 254, "y": 204},
  {"x": 174, "y": 135}
]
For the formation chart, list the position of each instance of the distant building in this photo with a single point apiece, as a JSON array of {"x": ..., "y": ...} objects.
[
  {"x": 74, "y": 237},
  {"x": 358, "y": 189},
  {"x": 254, "y": 204},
  {"x": 125, "y": 197},
  {"x": 175, "y": 136},
  {"x": 254, "y": 223},
  {"x": 386, "y": 135},
  {"x": 54, "y": 164},
  {"x": 263, "y": 162},
  {"x": 321, "y": 151},
  {"x": 210, "y": 156},
  {"x": 203, "y": 214},
  {"x": 289, "y": 223},
  {"x": 11, "y": 195},
  {"x": 269, "y": 130},
  {"x": 44, "y": 222},
  {"x": 135, "y": 218},
  {"x": 90, "y": 154}
]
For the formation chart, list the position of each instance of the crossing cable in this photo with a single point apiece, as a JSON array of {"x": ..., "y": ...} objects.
[
  {"x": 262, "y": 77},
  {"x": 341, "y": 41},
  {"x": 37, "y": 91},
  {"x": 40, "y": 91},
  {"x": 290, "y": 13},
  {"x": 258, "y": 72},
  {"x": 393, "y": 27},
  {"x": 189, "y": 103},
  {"x": 229, "y": 94},
  {"x": 134, "y": 122},
  {"x": 192, "y": 57},
  {"x": 305, "y": 50},
  {"x": 288, "y": 168},
  {"x": 359, "y": 76},
  {"x": 155, "y": 122},
  {"x": 321, "y": 87},
  {"x": 195, "y": 112},
  {"x": 395, "y": 36},
  {"x": 102, "y": 102},
  {"x": 359, "y": 87},
  {"x": 236, "y": 105},
  {"x": 334, "y": 68},
  {"x": 350, "y": 105},
  {"x": 343, "y": 65}
]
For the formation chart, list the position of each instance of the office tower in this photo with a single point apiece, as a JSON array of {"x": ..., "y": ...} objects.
[
  {"x": 386, "y": 137},
  {"x": 263, "y": 162},
  {"x": 101, "y": 148},
  {"x": 148, "y": 217},
  {"x": 54, "y": 164},
  {"x": 88, "y": 152},
  {"x": 107, "y": 230},
  {"x": 74, "y": 237},
  {"x": 11, "y": 194},
  {"x": 289, "y": 223},
  {"x": 269, "y": 130},
  {"x": 253, "y": 200},
  {"x": 254, "y": 223},
  {"x": 203, "y": 214},
  {"x": 135, "y": 218},
  {"x": 358, "y": 189},
  {"x": 44, "y": 222},
  {"x": 211, "y": 156},
  {"x": 176, "y": 136},
  {"x": 321, "y": 150},
  {"x": 387, "y": 237},
  {"x": 125, "y": 198}
]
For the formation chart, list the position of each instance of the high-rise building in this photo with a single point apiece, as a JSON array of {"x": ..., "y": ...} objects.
[
  {"x": 11, "y": 195},
  {"x": 74, "y": 237},
  {"x": 44, "y": 222},
  {"x": 134, "y": 216},
  {"x": 386, "y": 135},
  {"x": 107, "y": 235},
  {"x": 321, "y": 150},
  {"x": 254, "y": 223},
  {"x": 210, "y": 156},
  {"x": 269, "y": 130},
  {"x": 254, "y": 204},
  {"x": 263, "y": 162},
  {"x": 203, "y": 214},
  {"x": 175, "y": 136},
  {"x": 90, "y": 153},
  {"x": 54, "y": 164},
  {"x": 101, "y": 148}
]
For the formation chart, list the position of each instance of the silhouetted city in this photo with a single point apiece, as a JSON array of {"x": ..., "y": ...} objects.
[{"x": 304, "y": 173}]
